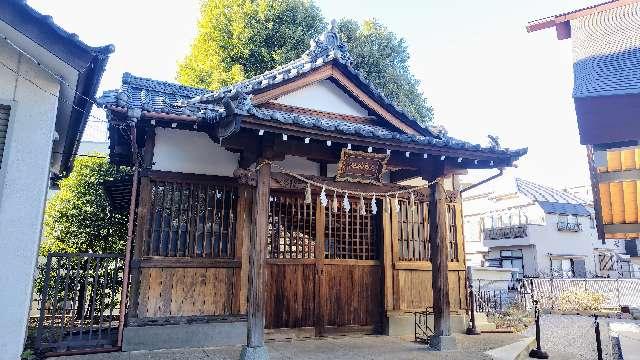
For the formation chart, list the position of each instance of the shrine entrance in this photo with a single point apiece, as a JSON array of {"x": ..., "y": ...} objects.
[{"x": 323, "y": 268}]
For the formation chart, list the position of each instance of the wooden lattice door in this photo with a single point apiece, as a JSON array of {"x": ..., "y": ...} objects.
[{"x": 323, "y": 271}]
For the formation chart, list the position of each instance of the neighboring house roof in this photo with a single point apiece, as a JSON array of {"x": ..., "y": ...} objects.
[
  {"x": 607, "y": 52},
  {"x": 551, "y": 200},
  {"x": 563, "y": 19},
  {"x": 606, "y": 47},
  {"x": 168, "y": 98},
  {"x": 88, "y": 61}
]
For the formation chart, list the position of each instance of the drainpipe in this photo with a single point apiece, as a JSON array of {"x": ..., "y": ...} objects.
[{"x": 492, "y": 177}]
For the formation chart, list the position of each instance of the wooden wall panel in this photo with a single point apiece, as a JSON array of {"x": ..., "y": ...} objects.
[
  {"x": 354, "y": 295},
  {"x": 416, "y": 293},
  {"x": 289, "y": 298},
  {"x": 186, "y": 291},
  {"x": 415, "y": 289}
]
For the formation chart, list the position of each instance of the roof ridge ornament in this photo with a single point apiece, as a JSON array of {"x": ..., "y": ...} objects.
[{"x": 329, "y": 44}]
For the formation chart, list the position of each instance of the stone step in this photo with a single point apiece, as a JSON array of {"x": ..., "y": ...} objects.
[{"x": 516, "y": 351}]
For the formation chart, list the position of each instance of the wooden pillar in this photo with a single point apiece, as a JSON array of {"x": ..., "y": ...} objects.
[
  {"x": 387, "y": 257},
  {"x": 143, "y": 221},
  {"x": 442, "y": 339},
  {"x": 320, "y": 287},
  {"x": 255, "y": 348},
  {"x": 130, "y": 232}
]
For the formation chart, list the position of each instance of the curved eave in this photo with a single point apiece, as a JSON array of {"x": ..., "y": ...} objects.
[{"x": 483, "y": 158}]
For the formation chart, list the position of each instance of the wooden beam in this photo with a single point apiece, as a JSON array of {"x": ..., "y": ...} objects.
[
  {"x": 255, "y": 307},
  {"x": 499, "y": 160},
  {"x": 439, "y": 262}
]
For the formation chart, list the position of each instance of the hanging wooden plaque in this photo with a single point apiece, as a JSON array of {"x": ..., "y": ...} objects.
[{"x": 361, "y": 167}]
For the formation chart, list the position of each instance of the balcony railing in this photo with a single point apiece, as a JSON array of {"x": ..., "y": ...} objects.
[
  {"x": 573, "y": 227},
  {"x": 506, "y": 232}
]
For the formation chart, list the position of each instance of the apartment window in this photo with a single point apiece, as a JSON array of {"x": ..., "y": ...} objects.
[
  {"x": 4, "y": 125},
  {"x": 569, "y": 223},
  {"x": 568, "y": 267},
  {"x": 563, "y": 219},
  {"x": 512, "y": 259}
]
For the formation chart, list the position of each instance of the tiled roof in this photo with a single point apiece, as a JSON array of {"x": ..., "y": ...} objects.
[
  {"x": 164, "y": 97},
  {"x": 551, "y": 200},
  {"x": 327, "y": 48},
  {"x": 48, "y": 19},
  {"x": 606, "y": 47}
]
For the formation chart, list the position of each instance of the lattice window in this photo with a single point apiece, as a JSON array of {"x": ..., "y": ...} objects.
[
  {"x": 292, "y": 227},
  {"x": 350, "y": 235},
  {"x": 191, "y": 220},
  {"x": 452, "y": 235},
  {"x": 413, "y": 231}
]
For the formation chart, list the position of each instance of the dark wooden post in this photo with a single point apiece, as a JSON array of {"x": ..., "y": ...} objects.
[
  {"x": 320, "y": 287},
  {"x": 441, "y": 339},
  {"x": 255, "y": 348},
  {"x": 130, "y": 231}
]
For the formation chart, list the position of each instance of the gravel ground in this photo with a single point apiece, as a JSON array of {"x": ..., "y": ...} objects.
[
  {"x": 337, "y": 348},
  {"x": 571, "y": 337}
]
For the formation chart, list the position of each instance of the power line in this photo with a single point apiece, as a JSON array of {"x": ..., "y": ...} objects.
[
  {"x": 50, "y": 72},
  {"x": 97, "y": 119},
  {"x": 82, "y": 155}
]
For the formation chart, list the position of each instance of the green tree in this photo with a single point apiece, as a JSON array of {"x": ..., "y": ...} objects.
[
  {"x": 242, "y": 38},
  {"x": 78, "y": 218},
  {"x": 383, "y": 59},
  {"x": 238, "y": 39}
]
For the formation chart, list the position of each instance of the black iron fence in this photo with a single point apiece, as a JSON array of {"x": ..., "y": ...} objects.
[
  {"x": 79, "y": 302},
  {"x": 422, "y": 330},
  {"x": 492, "y": 297}
]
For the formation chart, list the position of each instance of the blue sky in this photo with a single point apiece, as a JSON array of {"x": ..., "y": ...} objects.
[{"x": 479, "y": 68}]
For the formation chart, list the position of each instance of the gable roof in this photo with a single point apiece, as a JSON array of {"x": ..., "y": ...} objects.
[
  {"x": 327, "y": 56},
  {"x": 153, "y": 96},
  {"x": 551, "y": 200},
  {"x": 324, "y": 50}
]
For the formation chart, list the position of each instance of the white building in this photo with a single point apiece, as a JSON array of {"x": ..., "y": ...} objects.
[
  {"x": 46, "y": 77},
  {"x": 537, "y": 231}
]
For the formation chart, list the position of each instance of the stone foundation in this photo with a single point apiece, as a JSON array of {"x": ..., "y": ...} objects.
[
  {"x": 403, "y": 323},
  {"x": 184, "y": 336}
]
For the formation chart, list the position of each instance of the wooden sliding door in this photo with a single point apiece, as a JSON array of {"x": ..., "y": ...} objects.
[{"x": 323, "y": 272}]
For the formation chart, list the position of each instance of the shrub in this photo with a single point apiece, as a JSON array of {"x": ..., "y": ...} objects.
[
  {"x": 514, "y": 317},
  {"x": 580, "y": 300}
]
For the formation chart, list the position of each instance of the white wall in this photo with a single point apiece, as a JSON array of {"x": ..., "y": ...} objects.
[
  {"x": 529, "y": 257},
  {"x": 24, "y": 179},
  {"x": 324, "y": 96},
  {"x": 298, "y": 165},
  {"x": 549, "y": 240},
  {"x": 191, "y": 152}
]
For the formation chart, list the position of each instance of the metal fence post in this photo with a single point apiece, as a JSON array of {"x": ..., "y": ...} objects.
[
  {"x": 538, "y": 353},
  {"x": 43, "y": 301},
  {"x": 472, "y": 330},
  {"x": 598, "y": 340}
]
